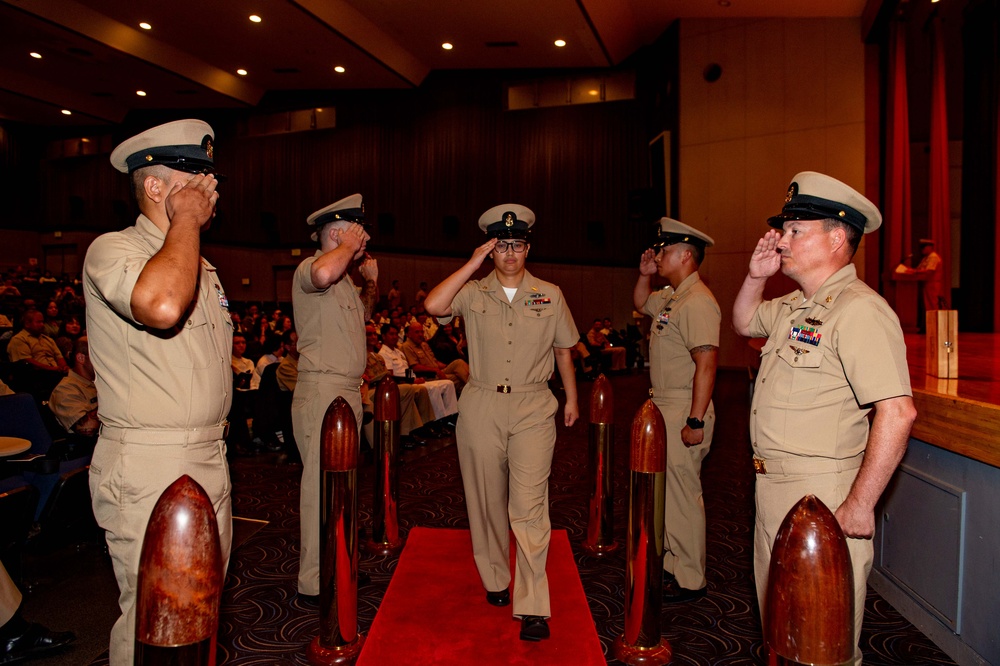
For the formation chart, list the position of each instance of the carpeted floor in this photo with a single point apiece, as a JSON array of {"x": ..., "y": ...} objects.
[{"x": 264, "y": 623}]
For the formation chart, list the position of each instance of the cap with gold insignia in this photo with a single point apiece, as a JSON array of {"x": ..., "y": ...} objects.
[
  {"x": 348, "y": 209},
  {"x": 507, "y": 221},
  {"x": 184, "y": 145},
  {"x": 670, "y": 231},
  {"x": 816, "y": 196}
]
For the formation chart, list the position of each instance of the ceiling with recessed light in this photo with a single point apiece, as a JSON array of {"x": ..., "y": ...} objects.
[{"x": 95, "y": 55}]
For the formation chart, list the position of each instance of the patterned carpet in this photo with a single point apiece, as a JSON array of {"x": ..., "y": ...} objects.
[{"x": 264, "y": 623}]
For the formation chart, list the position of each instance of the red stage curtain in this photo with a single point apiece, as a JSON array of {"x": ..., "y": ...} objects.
[
  {"x": 939, "y": 208},
  {"x": 898, "y": 242}
]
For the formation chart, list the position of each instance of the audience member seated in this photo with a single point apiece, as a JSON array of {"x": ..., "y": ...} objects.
[
  {"x": 423, "y": 362},
  {"x": 21, "y": 640},
  {"x": 69, "y": 333},
  {"x": 74, "y": 400},
  {"x": 599, "y": 343},
  {"x": 239, "y": 433},
  {"x": 443, "y": 395},
  {"x": 261, "y": 341},
  {"x": 446, "y": 345},
  {"x": 42, "y": 363},
  {"x": 53, "y": 322},
  {"x": 287, "y": 373},
  {"x": 414, "y": 400},
  {"x": 272, "y": 352}
]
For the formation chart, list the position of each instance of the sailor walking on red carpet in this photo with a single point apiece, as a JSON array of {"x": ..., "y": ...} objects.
[{"x": 517, "y": 327}]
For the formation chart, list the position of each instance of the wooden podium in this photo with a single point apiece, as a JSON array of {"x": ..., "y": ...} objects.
[{"x": 907, "y": 297}]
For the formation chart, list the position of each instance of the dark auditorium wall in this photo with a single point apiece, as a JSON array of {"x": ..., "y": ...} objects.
[{"x": 428, "y": 162}]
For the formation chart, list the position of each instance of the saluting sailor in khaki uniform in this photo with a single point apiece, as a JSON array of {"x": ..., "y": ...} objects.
[
  {"x": 515, "y": 324},
  {"x": 683, "y": 354},
  {"x": 160, "y": 341},
  {"x": 330, "y": 321},
  {"x": 834, "y": 353}
]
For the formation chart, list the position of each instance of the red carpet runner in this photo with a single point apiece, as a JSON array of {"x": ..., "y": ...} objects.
[{"x": 435, "y": 611}]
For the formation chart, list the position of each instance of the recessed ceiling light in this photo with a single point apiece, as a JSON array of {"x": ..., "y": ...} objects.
[
  {"x": 726, "y": 3},
  {"x": 36, "y": 55},
  {"x": 339, "y": 69},
  {"x": 67, "y": 112},
  {"x": 241, "y": 72},
  {"x": 447, "y": 46},
  {"x": 254, "y": 18},
  {"x": 592, "y": 92},
  {"x": 145, "y": 26},
  {"x": 560, "y": 43},
  {"x": 140, "y": 93}
]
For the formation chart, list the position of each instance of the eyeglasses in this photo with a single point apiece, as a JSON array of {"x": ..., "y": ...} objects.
[{"x": 518, "y": 246}]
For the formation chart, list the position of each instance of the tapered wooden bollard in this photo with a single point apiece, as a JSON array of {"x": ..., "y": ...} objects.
[
  {"x": 339, "y": 641},
  {"x": 180, "y": 580},
  {"x": 385, "y": 517},
  {"x": 642, "y": 642},
  {"x": 601, "y": 524},
  {"x": 809, "y": 609}
]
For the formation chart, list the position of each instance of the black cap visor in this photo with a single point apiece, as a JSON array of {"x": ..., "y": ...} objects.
[{"x": 804, "y": 207}]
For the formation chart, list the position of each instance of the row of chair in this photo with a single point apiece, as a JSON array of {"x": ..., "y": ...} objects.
[{"x": 45, "y": 488}]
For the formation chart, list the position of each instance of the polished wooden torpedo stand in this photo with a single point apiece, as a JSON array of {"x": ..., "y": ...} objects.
[
  {"x": 339, "y": 641},
  {"x": 642, "y": 642},
  {"x": 180, "y": 580},
  {"x": 601, "y": 525},
  {"x": 809, "y": 610},
  {"x": 385, "y": 517}
]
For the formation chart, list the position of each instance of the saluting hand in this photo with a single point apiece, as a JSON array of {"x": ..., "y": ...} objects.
[
  {"x": 193, "y": 200},
  {"x": 766, "y": 258},
  {"x": 647, "y": 262},
  {"x": 369, "y": 268},
  {"x": 481, "y": 252},
  {"x": 352, "y": 237}
]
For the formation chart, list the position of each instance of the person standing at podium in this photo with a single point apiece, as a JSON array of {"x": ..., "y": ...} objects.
[
  {"x": 834, "y": 353},
  {"x": 516, "y": 325}
]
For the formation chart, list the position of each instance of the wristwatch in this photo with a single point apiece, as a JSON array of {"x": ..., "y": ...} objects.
[{"x": 695, "y": 424}]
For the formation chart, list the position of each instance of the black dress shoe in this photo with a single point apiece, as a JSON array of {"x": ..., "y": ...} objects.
[
  {"x": 534, "y": 628},
  {"x": 673, "y": 593},
  {"x": 501, "y": 598},
  {"x": 407, "y": 442},
  {"x": 34, "y": 642},
  {"x": 309, "y": 599},
  {"x": 364, "y": 578}
]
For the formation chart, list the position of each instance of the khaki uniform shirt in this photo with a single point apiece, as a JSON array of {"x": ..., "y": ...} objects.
[
  {"x": 511, "y": 342},
  {"x": 72, "y": 398},
  {"x": 419, "y": 354},
  {"x": 148, "y": 378},
  {"x": 330, "y": 324},
  {"x": 683, "y": 318},
  {"x": 825, "y": 362},
  {"x": 42, "y": 350}
]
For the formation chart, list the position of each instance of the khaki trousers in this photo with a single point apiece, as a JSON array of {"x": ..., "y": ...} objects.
[
  {"x": 10, "y": 597},
  {"x": 127, "y": 478},
  {"x": 505, "y": 444},
  {"x": 684, "y": 505},
  {"x": 310, "y": 401},
  {"x": 776, "y": 495}
]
